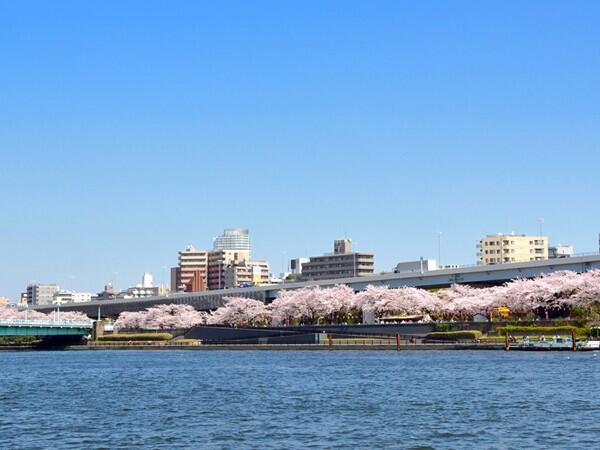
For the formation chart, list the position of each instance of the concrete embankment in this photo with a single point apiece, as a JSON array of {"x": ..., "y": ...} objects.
[{"x": 317, "y": 347}]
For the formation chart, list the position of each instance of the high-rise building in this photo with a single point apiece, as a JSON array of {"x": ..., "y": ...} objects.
[
  {"x": 191, "y": 274},
  {"x": 342, "y": 263},
  {"x": 147, "y": 280},
  {"x": 218, "y": 261},
  {"x": 41, "y": 294},
  {"x": 506, "y": 248},
  {"x": 233, "y": 239}
]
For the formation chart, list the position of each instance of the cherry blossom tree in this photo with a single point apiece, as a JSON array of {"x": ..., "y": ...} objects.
[
  {"x": 382, "y": 300},
  {"x": 313, "y": 304},
  {"x": 241, "y": 311},
  {"x": 161, "y": 317},
  {"x": 8, "y": 312}
]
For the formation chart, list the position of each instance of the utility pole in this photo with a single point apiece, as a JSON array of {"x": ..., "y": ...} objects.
[{"x": 439, "y": 249}]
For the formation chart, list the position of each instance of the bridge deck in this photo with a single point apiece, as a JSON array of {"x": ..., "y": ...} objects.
[{"x": 17, "y": 327}]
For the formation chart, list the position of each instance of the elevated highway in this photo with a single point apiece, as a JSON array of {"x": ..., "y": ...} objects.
[{"x": 472, "y": 275}]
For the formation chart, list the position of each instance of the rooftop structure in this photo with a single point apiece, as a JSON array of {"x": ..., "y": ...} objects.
[
  {"x": 420, "y": 266},
  {"x": 560, "y": 251}
]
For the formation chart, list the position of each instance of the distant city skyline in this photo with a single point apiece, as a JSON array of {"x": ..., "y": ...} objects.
[{"x": 125, "y": 136}]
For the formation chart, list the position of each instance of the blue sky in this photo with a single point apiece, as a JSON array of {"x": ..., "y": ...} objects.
[{"x": 130, "y": 129}]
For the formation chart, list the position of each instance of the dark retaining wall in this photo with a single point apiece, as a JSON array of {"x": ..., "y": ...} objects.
[{"x": 301, "y": 334}]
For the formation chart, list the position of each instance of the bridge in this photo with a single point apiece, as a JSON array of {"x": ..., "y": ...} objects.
[
  {"x": 472, "y": 275},
  {"x": 44, "y": 328}
]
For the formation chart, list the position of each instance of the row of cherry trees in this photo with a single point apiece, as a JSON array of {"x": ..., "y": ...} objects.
[
  {"x": 11, "y": 313},
  {"x": 560, "y": 291}
]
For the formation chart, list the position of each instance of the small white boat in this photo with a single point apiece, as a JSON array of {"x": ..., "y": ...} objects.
[{"x": 588, "y": 345}]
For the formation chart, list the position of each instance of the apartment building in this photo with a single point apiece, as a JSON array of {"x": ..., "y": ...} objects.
[
  {"x": 218, "y": 261},
  {"x": 342, "y": 263},
  {"x": 62, "y": 297},
  {"x": 41, "y": 294},
  {"x": 508, "y": 248},
  {"x": 191, "y": 273},
  {"x": 246, "y": 274}
]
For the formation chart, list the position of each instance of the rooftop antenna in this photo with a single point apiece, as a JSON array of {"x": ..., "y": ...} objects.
[{"x": 541, "y": 223}]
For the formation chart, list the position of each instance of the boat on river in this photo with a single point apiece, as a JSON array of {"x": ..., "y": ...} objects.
[
  {"x": 554, "y": 343},
  {"x": 588, "y": 345}
]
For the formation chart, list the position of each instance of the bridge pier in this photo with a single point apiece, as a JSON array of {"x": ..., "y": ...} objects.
[{"x": 97, "y": 329}]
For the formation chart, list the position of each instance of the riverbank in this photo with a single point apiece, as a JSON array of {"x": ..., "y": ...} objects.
[{"x": 271, "y": 347}]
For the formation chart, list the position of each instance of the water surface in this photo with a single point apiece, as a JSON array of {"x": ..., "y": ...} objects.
[{"x": 298, "y": 399}]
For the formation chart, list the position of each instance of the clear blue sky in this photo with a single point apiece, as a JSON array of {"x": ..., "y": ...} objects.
[{"x": 130, "y": 129}]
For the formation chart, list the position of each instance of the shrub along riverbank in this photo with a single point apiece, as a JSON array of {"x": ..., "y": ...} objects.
[
  {"x": 135, "y": 337},
  {"x": 516, "y": 330},
  {"x": 453, "y": 336}
]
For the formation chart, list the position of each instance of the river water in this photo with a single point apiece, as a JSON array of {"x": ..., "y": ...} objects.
[{"x": 298, "y": 399}]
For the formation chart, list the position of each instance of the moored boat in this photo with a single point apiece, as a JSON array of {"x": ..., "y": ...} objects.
[
  {"x": 555, "y": 343},
  {"x": 588, "y": 345}
]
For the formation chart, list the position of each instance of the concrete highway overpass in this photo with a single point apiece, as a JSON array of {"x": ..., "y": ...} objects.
[{"x": 472, "y": 275}]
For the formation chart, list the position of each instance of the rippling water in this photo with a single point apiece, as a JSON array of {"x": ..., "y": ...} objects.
[{"x": 295, "y": 399}]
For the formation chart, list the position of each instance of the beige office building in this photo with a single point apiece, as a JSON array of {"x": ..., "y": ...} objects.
[{"x": 509, "y": 248}]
